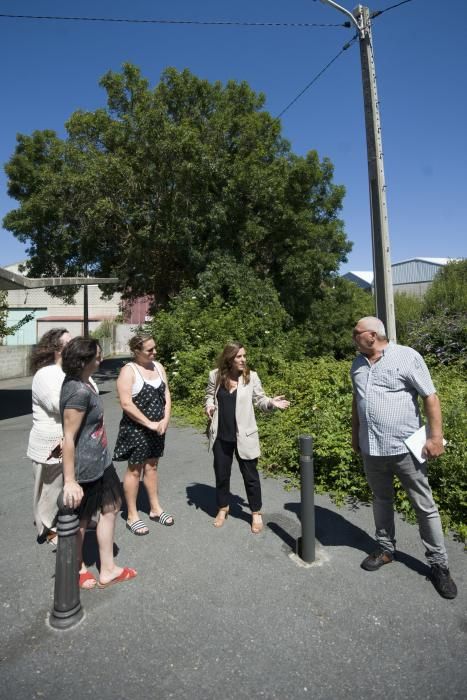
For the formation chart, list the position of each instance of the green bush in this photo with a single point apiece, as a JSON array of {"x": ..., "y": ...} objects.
[
  {"x": 104, "y": 330},
  {"x": 231, "y": 302},
  {"x": 408, "y": 312},
  {"x": 448, "y": 292},
  {"x": 321, "y": 396},
  {"x": 441, "y": 339}
]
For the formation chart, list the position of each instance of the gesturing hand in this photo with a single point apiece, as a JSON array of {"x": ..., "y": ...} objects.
[{"x": 280, "y": 402}]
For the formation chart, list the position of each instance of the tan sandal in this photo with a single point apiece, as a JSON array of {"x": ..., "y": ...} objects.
[
  {"x": 256, "y": 527},
  {"x": 221, "y": 517},
  {"x": 52, "y": 538}
]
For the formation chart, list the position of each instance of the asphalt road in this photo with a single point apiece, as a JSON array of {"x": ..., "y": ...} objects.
[{"x": 222, "y": 613}]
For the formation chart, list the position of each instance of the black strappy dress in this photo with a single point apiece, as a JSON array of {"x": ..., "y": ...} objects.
[{"x": 135, "y": 443}]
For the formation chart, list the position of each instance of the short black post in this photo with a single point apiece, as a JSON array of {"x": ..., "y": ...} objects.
[
  {"x": 67, "y": 610},
  {"x": 306, "y": 543}
]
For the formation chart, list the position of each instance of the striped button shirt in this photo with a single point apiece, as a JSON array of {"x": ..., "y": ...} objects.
[{"x": 386, "y": 394}]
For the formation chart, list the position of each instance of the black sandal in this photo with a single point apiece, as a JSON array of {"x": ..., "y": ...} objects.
[
  {"x": 136, "y": 528},
  {"x": 163, "y": 519}
]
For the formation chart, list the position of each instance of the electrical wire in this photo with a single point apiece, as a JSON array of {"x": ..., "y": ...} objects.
[
  {"x": 318, "y": 75},
  {"x": 377, "y": 13},
  {"x": 229, "y": 23}
]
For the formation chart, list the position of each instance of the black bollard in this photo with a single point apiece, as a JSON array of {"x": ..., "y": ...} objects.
[
  {"x": 67, "y": 610},
  {"x": 306, "y": 543}
]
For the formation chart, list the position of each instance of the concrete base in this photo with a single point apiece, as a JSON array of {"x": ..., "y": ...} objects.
[{"x": 321, "y": 557}]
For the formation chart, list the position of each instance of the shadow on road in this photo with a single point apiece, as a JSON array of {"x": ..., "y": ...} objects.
[
  {"x": 204, "y": 497},
  {"x": 18, "y": 402},
  {"x": 333, "y": 530},
  {"x": 91, "y": 550},
  {"x": 109, "y": 369},
  {"x": 14, "y": 403}
]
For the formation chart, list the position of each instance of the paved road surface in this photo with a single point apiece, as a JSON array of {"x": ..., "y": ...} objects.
[{"x": 222, "y": 613}]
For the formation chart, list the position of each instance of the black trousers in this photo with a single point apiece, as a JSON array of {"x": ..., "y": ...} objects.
[{"x": 223, "y": 456}]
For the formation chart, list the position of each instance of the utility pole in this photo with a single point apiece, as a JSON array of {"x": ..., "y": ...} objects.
[{"x": 384, "y": 296}]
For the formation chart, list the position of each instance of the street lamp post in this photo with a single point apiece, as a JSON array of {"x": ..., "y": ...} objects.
[{"x": 360, "y": 18}]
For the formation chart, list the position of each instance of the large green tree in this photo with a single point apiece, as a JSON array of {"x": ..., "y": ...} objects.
[{"x": 156, "y": 184}]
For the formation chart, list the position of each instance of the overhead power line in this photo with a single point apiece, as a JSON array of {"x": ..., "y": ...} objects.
[
  {"x": 318, "y": 75},
  {"x": 377, "y": 13},
  {"x": 208, "y": 23}
]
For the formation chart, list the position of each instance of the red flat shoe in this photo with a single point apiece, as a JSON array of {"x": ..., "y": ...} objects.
[
  {"x": 86, "y": 576},
  {"x": 126, "y": 575}
]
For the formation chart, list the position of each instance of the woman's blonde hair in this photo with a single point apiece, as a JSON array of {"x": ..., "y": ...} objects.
[
  {"x": 225, "y": 364},
  {"x": 137, "y": 341}
]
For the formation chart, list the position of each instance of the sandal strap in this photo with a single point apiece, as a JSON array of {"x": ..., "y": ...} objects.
[
  {"x": 137, "y": 525},
  {"x": 164, "y": 517}
]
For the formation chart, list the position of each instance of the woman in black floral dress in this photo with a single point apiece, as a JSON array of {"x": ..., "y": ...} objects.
[{"x": 145, "y": 399}]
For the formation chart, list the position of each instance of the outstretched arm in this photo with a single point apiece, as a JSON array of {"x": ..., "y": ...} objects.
[{"x": 265, "y": 403}]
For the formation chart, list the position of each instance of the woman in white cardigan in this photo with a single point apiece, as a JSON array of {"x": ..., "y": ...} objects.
[
  {"x": 45, "y": 439},
  {"x": 232, "y": 392}
]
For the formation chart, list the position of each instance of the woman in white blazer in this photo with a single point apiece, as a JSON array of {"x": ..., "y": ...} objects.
[{"x": 232, "y": 392}]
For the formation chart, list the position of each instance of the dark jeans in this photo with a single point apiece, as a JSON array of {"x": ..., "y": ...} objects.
[{"x": 223, "y": 456}]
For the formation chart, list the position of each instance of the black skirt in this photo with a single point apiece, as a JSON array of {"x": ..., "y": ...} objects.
[{"x": 102, "y": 495}]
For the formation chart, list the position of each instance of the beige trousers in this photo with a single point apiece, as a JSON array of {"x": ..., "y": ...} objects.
[{"x": 48, "y": 482}]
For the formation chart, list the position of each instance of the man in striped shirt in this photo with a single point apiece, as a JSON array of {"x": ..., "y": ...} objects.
[{"x": 387, "y": 381}]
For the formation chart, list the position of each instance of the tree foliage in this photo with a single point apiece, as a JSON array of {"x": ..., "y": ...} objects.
[
  {"x": 408, "y": 312},
  {"x": 4, "y": 328},
  {"x": 160, "y": 181},
  {"x": 448, "y": 293},
  {"x": 436, "y": 325}
]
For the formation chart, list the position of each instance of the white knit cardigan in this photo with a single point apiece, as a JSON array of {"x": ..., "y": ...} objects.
[{"x": 46, "y": 421}]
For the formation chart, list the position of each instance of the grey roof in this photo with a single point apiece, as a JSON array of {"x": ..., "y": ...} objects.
[{"x": 12, "y": 280}]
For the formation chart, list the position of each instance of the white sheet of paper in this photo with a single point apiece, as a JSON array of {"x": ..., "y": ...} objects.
[{"x": 416, "y": 442}]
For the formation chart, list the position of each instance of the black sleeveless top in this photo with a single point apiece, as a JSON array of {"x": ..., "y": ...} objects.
[{"x": 227, "y": 426}]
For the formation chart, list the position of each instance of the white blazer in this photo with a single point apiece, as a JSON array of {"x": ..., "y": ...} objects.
[{"x": 247, "y": 430}]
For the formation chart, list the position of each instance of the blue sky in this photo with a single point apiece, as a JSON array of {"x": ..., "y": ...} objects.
[{"x": 52, "y": 68}]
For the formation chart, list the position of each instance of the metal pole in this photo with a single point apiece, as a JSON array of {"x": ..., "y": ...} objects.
[
  {"x": 379, "y": 212},
  {"x": 306, "y": 543},
  {"x": 67, "y": 610},
  {"x": 85, "y": 311}
]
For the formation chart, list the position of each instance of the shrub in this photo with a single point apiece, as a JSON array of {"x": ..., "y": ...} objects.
[
  {"x": 441, "y": 339},
  {"x": 321, "y": 397},
  {"x": 408, "y": 312},
  {"x": 104, "y": 330},
  {"x": 321, "y": 405},
  {"x": 448, "y": 292}
]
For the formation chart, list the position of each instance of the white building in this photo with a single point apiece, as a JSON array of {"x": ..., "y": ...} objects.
[{"x": 52, "y": 312}]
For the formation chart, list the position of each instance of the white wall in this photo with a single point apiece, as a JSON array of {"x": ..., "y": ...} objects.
[{"x": 14, "y": 359}]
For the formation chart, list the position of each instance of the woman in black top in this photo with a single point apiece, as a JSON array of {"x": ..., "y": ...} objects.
[{"x": 231, "y": 393}]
